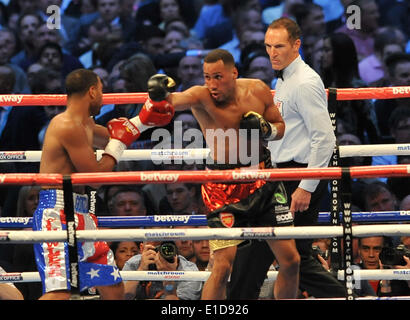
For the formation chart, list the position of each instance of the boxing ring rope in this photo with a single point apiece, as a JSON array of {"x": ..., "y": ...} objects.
[
  {"x": 200, "y": 220},
  {"x": 245, "y": 176},
  {"x": 202, "y": 176},
  {"x": 276, "y": 233},
  {"x": 382, "y": 274},
  {"x": 202, "y": 154},
  {"x": 140, "y": 97}
]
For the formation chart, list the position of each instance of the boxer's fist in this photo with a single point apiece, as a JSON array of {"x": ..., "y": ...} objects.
[
  {"x": 122, "y": 134},
  {"x": 123, "y": 130},
  {"x": 156, "y": 113},
  {"x": 253, "y": 120},
  {"x": 159, "y": 87}
]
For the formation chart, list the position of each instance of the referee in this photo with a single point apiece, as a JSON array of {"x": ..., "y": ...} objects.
[{"x": 309, "y": 141}]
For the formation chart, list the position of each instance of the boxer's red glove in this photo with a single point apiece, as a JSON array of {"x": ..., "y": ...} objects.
[
  {"x": 122, "y": 134},
  {"x": 156, "y": 110}
]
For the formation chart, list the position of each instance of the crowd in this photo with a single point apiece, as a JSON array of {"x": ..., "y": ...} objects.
[{"x": 127, "y": 41}]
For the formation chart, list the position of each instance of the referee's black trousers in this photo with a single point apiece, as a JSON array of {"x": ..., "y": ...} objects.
[{"x": 252, "y": 261}]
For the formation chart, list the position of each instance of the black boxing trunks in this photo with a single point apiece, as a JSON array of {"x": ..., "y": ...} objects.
[{"x": 257, "y": 204}]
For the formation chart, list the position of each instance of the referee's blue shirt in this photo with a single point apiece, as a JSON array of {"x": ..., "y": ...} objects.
[{"x": 309, "y": 137}]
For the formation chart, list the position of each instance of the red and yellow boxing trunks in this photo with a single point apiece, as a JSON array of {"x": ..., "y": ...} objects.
[{"x": 256, "y": 204}]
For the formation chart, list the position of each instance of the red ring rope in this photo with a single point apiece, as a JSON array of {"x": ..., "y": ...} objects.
[
  {"x": 201, "y": 176},
  {"x": 124, "y": 98}
]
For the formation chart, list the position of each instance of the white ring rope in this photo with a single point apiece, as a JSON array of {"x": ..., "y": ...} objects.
[
  {"x": 379, "y": 274},
  {"x": 201, "y": 154},
  {"x": 24, "y": 236}
]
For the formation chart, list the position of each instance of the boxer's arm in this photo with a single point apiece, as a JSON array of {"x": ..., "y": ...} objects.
[
  {"x": 272, "y": 114},
  {"x": 101, "y": 136},
  {"x": 75, "y": 141},
  {"x": 186, "y": 99}
]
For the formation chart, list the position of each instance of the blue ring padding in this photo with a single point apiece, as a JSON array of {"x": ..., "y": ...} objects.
[{"x": 200, "y": 220}]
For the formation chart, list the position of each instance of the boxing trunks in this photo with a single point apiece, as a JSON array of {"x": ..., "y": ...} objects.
[
  {"x": 96, "y": 260},
  {"x": 257, "y": 204}
]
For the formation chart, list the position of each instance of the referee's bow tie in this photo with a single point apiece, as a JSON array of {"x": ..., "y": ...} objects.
[{"x": 279, "y": 74}]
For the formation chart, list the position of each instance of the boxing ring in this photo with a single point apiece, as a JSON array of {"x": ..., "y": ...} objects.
[{"x": 341, "y": 222}]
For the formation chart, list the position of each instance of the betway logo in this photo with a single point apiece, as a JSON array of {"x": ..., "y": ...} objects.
[
  {"x": 11, "y": 98},
  {"x": 401, "y": 90},
  {"x": 184, "y": 219},
  {"x": 169, "y": 177},
  {"x": 250, "y": 175}
]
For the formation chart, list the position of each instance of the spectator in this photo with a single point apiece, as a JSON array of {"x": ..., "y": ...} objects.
[
  {"x": 8, "y": 45},
  {"x": 255, "y": 63},
  {"x": 340, "y": 70},
  {"x": 27, "y": 25},
  {"x": 372, "y": 69},
  {"x": 189, "y": 72},
  {"x": 275, "y": 12},
  {"x": 357, "y": 185},
  {"x": 47, "y": 81},
  {"x": 244, "y": 20},
  {"x": 405, "y": 206},
  {"x": 378, "y": 197},
  {"x": 310, "y": 18},
  {"x": 181, "y": 199},
  {"x": 51, "y": 56},
  {"x": 130, "y": 201},
  {"x": 110, "y": 12},
  {"x": 184, "y": 290},
  {"x": 400, "y": 131},
  {"x": 23, "y": 258},
  {"x": 202, "y": 254},
  {"x": 210, "y": 15},
  {"x": 27, "y": 201},
  {"x": 363, "y": 37},
  {"x": 69, "y": 27},
  {"x": 369, "y": 252},
  {"x": 123, "y": 251},
  {"x": 151, "y": 40},
  {"x": 398, "y": 67}
]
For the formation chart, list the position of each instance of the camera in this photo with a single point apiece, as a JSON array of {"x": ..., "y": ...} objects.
[
  {"x": 394, "y": 256},
  {"x": 168, "y": 250},
  {"x": 317, "y": 251}
]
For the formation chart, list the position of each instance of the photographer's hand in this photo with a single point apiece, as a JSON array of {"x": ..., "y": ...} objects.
[{"x": 147, "y": 257}]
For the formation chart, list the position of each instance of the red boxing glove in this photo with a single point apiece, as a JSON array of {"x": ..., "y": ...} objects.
[
  {"x": 122, "y": 133},
  {"x": 156, "y": 113}
]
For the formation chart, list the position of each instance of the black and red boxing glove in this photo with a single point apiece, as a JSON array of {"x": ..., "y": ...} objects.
[
  {"x": 156, "y": 110},
  {"x": 253, "y": 120},
  {"x": 122, "y": 134}
]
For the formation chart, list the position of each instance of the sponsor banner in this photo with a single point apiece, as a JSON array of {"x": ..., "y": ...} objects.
[
  {"x": 171, "y": 218},
  {"x": 161, "y": 177},
  {"x": 11, "y": 277},
  {"x": 258, "y": 232},
  {"x": 164, "y": 235},
  {"x": 10, "y": 155},
  {"x": 14, "y": 98}
]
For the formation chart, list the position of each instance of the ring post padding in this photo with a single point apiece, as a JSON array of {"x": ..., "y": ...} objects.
[
  {"x": 346, "y": 195},
  {"x": 71, "y": 235},
  {"x": 335, "y": 246}
]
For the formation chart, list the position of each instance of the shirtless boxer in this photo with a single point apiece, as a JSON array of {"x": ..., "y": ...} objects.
[
  {"x": 68, "y": 148},
  {"x": 226, "y": 102}
]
